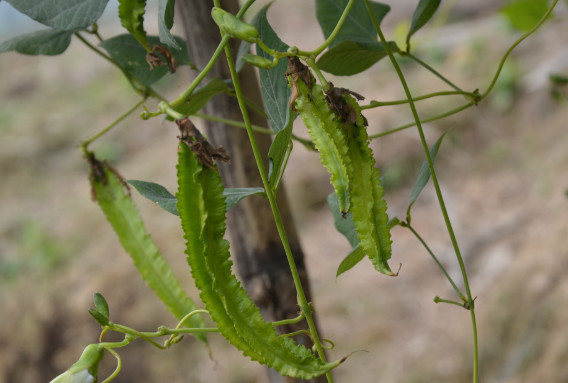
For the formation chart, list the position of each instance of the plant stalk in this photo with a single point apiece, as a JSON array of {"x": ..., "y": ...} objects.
[{"x": 302, "y": 301}]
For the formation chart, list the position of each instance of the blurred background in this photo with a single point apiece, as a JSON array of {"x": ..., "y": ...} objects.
[{"x": 502, "y": 169}]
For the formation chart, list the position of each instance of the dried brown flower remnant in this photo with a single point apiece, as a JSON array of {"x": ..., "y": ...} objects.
[
  {"x": 296, "y": 70},
  {"x": 97, "y": 174},
  {"x": 336, "y": 102},
  {"x": 205, "y": 152},
  {"x": 154, "y": 60}
]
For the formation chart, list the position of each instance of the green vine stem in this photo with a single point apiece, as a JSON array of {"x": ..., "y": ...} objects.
[
  {"x": 324, "y": 83},
  {"x": 302, "y": 301},
  {"x": 441, "y": 202},
  {"x": 411, "y": 124},
  {"x": 375, "y": 104},
  {"x": 118, "y": 366}
]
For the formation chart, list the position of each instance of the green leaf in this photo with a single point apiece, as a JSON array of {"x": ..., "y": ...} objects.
[
  {"x": 100, "y": 318},
  {"x": 524, "y": 14},
  {"x": 422, "y": 14},
  {"x": 349, "y": 57},
  {"x": 353, "y": 258},
  {"x": 234, "y": 195},
  {"x": 156, "y": 193},
  {"x": 166, "y": 22},
  {"x": 48, "y": 42},
  {"x": 424, "y": 173},
  {"x": 65, "y": 15},
  {"x": 131, "y": 57},
  {"x": 358, "y": 25},
  {"x": 131, "y": 14},
  {"x": 101, "y": 305},
  {"x": 344, "y": 225},
  {"x": 278, "y": 155},
  {"x": 275, "y": 91},
  {"x": 164, "y": 199},
  {"x": 201, "y": 96},
  {"x": 123, "y": 216}
]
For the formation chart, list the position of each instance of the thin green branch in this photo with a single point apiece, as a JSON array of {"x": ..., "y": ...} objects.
[
  {"x": 97, "y": 50},
  {"x": 84, "y": 145},
  {"x": 139, "y": 88},
  {"x": 411, "y": 124},
  {"x": 434, "y": 180},
  {"x": 375, "y": 104},
  {"x": 434, "y": 71},
  {"x": 118, "y": 366},
  {"x": 440, "y": 300},
  {"x": 456, "y": 289},
  {"x": 302, "y": 301}
]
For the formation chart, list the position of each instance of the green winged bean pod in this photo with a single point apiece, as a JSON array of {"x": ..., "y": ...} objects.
[
  {"x": 201, "y": 207},
  {"x": 339, "y": 133},
  {"x": 109, "y": 190},
  {"x": 231, "y": 25},
  {"x": 324, "y": 128},
  {"x": 368, "y": 205}
]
